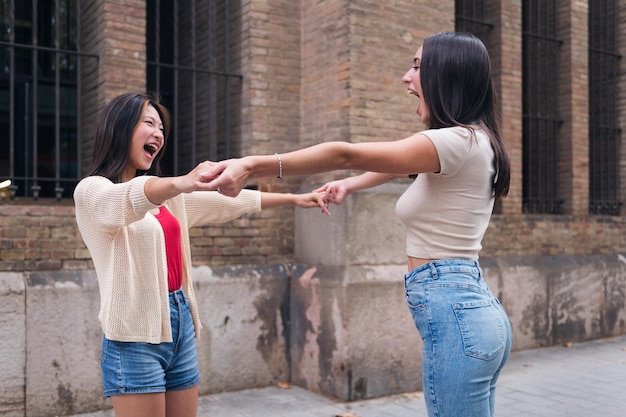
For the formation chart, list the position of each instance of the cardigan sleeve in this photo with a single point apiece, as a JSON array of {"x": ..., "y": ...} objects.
[
  {"x": 110, "y": 205},
  {"x": 204, "y": 207}
]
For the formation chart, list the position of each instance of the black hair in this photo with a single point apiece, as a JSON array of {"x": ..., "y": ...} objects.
[
  {"x": 114, "y": 133},
  {"x": 457, "y": 87}
]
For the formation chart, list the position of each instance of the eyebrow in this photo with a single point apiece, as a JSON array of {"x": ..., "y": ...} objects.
[{"x": 154, "y": 119}]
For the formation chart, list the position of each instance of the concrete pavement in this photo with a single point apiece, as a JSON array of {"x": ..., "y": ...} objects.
[{"x": 586, "y": 379}]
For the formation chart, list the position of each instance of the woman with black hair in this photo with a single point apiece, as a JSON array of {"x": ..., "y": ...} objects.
[
  {"x": 462, "y": 167},
  {"x": 136, "y": 228}
]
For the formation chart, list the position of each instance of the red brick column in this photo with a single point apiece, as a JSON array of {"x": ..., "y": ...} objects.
[
  {"x": 506, "y": 60},
  {"x": 573, "y": 105}
]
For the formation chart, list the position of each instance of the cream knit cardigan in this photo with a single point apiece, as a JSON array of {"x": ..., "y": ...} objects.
[{"x": 127, "y": 246}]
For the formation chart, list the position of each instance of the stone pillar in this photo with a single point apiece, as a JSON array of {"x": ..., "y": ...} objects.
[
  {"x": 12, "y": 352},
  {"x": 352, "y": 334}
]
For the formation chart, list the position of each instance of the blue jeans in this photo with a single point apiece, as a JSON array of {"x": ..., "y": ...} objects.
[
  {"x": 466, "y": 333},
  {"x": 137, "y": 367}
]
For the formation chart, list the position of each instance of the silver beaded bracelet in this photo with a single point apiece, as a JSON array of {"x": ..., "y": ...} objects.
[{"x": 280, "y": 166}]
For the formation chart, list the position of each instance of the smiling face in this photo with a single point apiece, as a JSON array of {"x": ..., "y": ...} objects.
[
  {"x": 146, "y": 143},
  {"x": 414, "y": 86}
]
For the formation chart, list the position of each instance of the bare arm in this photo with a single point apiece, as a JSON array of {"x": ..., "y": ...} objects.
[
  {"x": 338, "y": 190},
  {"x": 158, "y": 190},
  {"x": 414, "y": 154},
  {"x": 306, "y": 200}
]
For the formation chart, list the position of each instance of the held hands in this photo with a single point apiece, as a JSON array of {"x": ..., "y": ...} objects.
[
  {"x": 312, "y": 199},
  {"x": 196, "y": 179},
  {"x": 335, "y": 191},
  {"x": 228, "y": 177}
]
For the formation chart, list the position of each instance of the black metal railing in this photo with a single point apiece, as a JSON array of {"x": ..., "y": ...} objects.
[
  {"x": 189, "y": 65},
  {"x": 40, "y": 82},
  {"x": 541, "y": 120},
  {"x": 471, "y": 17},
  {"x": 604, "y": 130}
]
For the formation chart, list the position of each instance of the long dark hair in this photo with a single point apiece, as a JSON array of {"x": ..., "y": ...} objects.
[
  {"x": 458, "y": 90},
  {"x": 114, "y": 133}
]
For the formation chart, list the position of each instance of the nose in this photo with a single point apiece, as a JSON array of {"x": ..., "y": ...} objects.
[
  {"x": 158, "y": 133},
  {"x": 407, "y": 78}
]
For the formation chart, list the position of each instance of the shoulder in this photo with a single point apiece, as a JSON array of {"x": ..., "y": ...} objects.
[
  {"x": 457, "y": 144},
  {"x": 88, "y": 183},
  {"x": 93, "y": 179},
  {"x": 454, "y": 132}
]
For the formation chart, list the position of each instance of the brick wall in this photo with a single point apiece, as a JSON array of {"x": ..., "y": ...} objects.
[
  {"x": 37, "y": 237},
  {"x": 573, "y": 99},
  {"x": 329, "y": 70},
  {"x": 506, "y": 57},
  {"x": 43, "y": 236}
]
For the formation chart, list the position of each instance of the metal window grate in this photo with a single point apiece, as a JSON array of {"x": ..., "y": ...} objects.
[
  {"x": 541, "y": 121},
  {"x": 604, "y": 131},
  {"x": 470, "y": 16},
  {"x": 189, "y": 49},
  {"x": 40, "y": 82}
]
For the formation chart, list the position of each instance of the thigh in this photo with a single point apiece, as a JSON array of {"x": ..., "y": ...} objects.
[
  {"x": 133, "y": 367},
  {"x": 139, "y": 405},
  {"x": 183, "y": 370},
  {"x": 182, "y": 403}
]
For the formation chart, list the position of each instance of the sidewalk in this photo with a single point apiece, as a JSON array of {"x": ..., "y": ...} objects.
[{"x": 587, "y": 379}]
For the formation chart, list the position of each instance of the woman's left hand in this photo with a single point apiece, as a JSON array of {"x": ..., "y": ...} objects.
[{"x": 313, "y": 199}]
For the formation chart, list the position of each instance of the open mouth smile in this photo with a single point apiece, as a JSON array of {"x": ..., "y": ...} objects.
[{"x": 151, "y": 149}]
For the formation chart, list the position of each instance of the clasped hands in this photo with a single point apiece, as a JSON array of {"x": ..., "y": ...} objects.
[{"x": 229, "y": 177}]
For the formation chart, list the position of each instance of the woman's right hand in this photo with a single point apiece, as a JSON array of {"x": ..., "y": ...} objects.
[
  {"x": 336, "y": 191},
  {"x": 196, "y": 179},
  {"x": 160, "y": 189},
  {"x": 228, "y": 177}
]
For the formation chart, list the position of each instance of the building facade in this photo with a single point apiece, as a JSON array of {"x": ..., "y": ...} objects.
[{"x": 288, "y": 295}]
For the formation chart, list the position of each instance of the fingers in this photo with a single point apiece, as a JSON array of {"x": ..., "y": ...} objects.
[
  {"x": 208, "y": 172},
  {"x": 325, "y": 210},
  {"x": 228, "y": 191},
  {"x": 213, "y": 176},
  {"x": 322, "y": 201},
  {"x": 321, "y": 189}
]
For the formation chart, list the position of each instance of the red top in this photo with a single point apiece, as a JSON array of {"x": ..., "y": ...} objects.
[{"x": 171, "y": 230}]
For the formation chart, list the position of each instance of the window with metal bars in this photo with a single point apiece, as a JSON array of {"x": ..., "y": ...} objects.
[
  {"x": 40, "y": 82},
  {"x": 604, "y": 131},
  {"x": 541, "y": 120},
  {"x": 470, "y": 16},
  {"x": 189, "y": 49}
]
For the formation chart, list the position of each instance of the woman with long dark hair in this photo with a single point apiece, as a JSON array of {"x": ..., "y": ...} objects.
[
  {"x": 460, "y": 166},
  {"x": 136, "y": 227}
]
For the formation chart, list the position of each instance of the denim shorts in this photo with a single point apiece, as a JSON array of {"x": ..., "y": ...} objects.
[
  {"x": 137, "y": 367},
  {"x": 466, "y": 333}
]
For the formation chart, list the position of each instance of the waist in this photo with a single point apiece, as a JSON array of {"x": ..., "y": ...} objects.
[
  {"x": 413, "y": 263},
  {"x": 177, "y": 296},
  {"x": 435, "y": 268}
]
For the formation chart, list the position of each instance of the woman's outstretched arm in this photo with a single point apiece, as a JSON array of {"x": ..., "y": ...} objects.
[{"x": 414, "y": 154}]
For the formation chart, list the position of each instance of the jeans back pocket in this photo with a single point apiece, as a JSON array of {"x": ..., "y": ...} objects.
[{"x": 483, "y": 329}]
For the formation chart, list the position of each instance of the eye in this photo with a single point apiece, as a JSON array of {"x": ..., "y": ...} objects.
[
  {"x": 148, "y": 121},
  {"x": 416, "y": 67}
]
